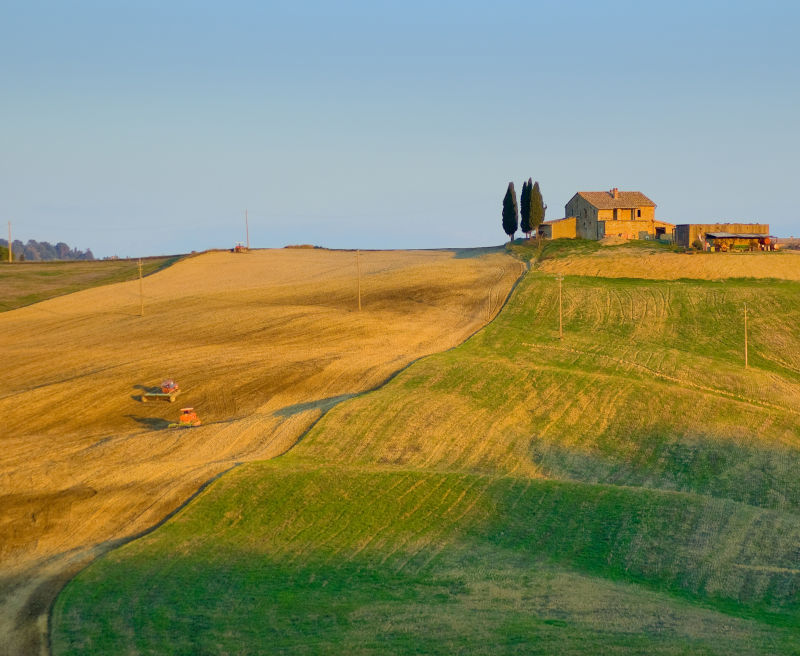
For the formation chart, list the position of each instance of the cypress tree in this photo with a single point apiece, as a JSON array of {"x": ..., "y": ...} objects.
[
  {"x": 510, "y": 212},
  {"x": 525, "y": 208},
  {"x": 537, "y": 206}
]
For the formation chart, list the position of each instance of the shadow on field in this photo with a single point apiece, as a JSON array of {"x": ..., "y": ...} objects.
[
  {"x": 468, "y": 253},
  {"x": 151, "y": 423},
  {"x": 145, "y": 389},
  {"x": 322, "y": 404}
]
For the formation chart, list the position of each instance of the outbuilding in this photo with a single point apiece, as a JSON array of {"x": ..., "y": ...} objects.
[
  {"x": 729, "y": 241},
  {"x": 686, "y": 234},
  {"x": 558, "y": 229}
]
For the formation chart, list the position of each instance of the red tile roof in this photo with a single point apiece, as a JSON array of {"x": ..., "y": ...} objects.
[{"x": 604, "y": 200}]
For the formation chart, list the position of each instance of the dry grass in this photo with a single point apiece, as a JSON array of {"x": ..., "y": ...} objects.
[
  {"x": 261, "y": 343},
  {"x": 660, "y": 264}
]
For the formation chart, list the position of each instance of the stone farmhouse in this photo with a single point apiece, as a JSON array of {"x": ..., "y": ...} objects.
[
  {"x": 631, "y": 215},
  {"x": 627, "y": 214}
]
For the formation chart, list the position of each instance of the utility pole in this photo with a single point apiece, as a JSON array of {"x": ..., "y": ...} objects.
[
  {"x": 358, "y": 265},
  {"x": 560, "y": 324},
  {"x": 141, "y": 294},
  {"x": 247, "y": 228},
  {"x": 745, "y": 335},
  {"x": 10, "y": 256}
]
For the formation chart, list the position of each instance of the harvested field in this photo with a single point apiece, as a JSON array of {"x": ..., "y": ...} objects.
[
  {"x": 624, "y": 261},
  {"x": 261, "y": 345}
]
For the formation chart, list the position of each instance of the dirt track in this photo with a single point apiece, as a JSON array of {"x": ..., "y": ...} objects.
[{"x": 261, "y": 343}]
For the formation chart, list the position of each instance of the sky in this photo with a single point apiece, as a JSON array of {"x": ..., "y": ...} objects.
[{"x": 146, "y": 128}]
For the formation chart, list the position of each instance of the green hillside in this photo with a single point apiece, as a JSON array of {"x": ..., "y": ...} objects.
[{"x": 631, "y": 489}]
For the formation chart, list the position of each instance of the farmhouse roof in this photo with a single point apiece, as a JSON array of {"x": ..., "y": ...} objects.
[{"x": 604, "y": 200}]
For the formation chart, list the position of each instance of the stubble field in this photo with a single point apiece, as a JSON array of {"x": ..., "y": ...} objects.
[
  {"x": 261, "y": 343},
  {"x": 656, "y": 262}
]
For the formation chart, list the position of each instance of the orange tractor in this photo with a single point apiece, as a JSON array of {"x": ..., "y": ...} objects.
[{"x": 188, "y": 419}]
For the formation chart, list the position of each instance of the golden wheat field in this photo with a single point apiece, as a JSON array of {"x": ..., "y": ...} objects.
[
  {"x": 637, "y": 262},
  {"x": 261, "y": 345}
]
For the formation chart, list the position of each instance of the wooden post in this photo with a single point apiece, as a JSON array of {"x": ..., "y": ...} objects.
[
  {"x": 141, "y": 293},
  {"x": 560, "y": 323},
  {"x": 247, "y": 229},
  {"x": 358, "y": 265},
  {"x": 745, "y": 335},
  {"x": 10, "y": 256}
]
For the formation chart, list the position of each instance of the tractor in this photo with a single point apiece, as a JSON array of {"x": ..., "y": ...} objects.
[
  {"x": 168, "y": 391},
  {"x": 188, "y": 419}
]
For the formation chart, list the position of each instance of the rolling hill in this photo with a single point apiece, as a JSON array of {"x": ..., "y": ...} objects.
[
  {"x": 630, "y": 489},
  {"x": 261, "y": 343}
]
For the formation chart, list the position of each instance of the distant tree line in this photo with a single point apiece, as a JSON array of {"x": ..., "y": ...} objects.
[
  {"x": 37, "y": 251},
  {"x": 531, "y": 209}
]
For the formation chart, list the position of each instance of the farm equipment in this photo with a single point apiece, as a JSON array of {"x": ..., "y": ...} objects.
[
  {"x": 188, "y": 419},
  {"x": 169, "y": 390},
  {"x": 240, "y": 248}
]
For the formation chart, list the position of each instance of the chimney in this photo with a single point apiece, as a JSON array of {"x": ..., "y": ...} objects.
[{"x": 615, "y": 193}]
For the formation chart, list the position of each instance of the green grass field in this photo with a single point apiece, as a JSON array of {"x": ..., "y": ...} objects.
[
  {"x": 24, "y": 283},
  {"x": 630, "y": 489}
]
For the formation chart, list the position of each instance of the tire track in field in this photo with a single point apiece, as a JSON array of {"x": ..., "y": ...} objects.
[{"x": 674, "y": 379}]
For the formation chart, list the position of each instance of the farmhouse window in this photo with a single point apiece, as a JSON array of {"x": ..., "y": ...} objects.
[{"x": 638, "y": 213}]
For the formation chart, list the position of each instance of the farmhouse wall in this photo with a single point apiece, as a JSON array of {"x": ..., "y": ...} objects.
[
  {"x": 581, "y": 208},
  {"x": 629, "y": 229},
  {"x": 627, "y": 214},
  {"x": 589, "y": 228}
]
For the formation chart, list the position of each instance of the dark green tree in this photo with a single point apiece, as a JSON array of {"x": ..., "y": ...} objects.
[
  {"x": 537, "y": 207},
  {"x": 510, "y": 212},
  {"x": 525, "y": 208}
]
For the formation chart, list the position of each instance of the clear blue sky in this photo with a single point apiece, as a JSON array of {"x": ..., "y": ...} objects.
[{"x": 137, "y": 128}]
